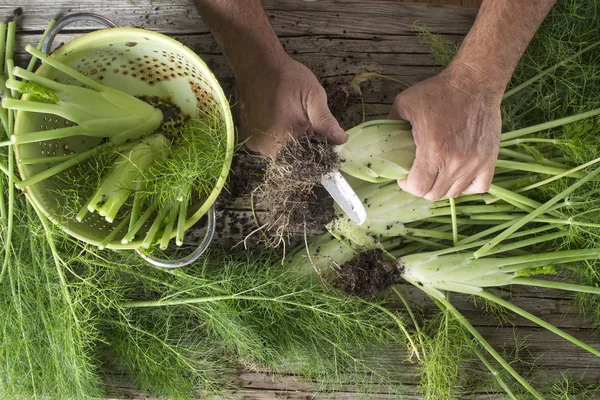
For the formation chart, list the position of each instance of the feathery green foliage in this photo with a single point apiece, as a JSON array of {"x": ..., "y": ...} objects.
[
  {"x": 447, "y": 348},
  {"x": 441, "y": 48},
  {"x": 194, "y": 163},
  {"x": 48, "y": 334}
]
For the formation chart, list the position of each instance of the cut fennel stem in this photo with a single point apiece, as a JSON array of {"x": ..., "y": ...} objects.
[{"x": 99, "y": 111}]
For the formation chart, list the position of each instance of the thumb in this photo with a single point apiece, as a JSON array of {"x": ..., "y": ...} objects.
[{"x": 323, "y": 122}]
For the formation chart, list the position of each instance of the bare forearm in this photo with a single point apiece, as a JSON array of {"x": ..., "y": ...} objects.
[
  {"x": 242, "y": 30},
  {"x": 499, "y": 37}
]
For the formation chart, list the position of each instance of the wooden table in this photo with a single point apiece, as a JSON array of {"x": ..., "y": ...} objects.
[{"x": 338, "y": 40}]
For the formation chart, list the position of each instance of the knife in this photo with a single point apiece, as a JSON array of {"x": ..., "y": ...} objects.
[{"x": 343, "y": 194}]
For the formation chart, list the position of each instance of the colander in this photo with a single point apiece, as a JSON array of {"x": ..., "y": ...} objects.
[{"x": 143, "y": 63}]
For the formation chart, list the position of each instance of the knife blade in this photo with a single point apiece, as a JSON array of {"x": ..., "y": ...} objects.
[{"x": 343, "y": 194}]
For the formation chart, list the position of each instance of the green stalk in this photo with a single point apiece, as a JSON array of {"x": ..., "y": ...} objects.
[
  {"x": 64, "y": 69},
  {"x": 495, "y": 373},
  {"x": 531, "y": 167},
  {"x": 427, "y": 233},
  {"x": 427, "y": 242},
  {"x": 164, "y": 242},
  {"x": 414, "y": 321},
  {"x": 556, "y": 177},
  {"x": 40, "y": 44},
  {"x": 10, "y": 45},
  {"x": 3, "y": 112},
  {"x": 464, "y": 322},
  {"x": 4, "y": 121},
  {"x": 556, "y": 261},
  {"x": 156, "y": 225},
  {"x": 536, "y": 320},
  {"x": 528, "y": 242},
  {"x": 138, "y": 224},
  {"x": 109, "y": 238},
  {"x": 2, "y": 46},
  {"x": 4, "y": 170},
  {"x": 136, "y": 207},
  {"x": 540, "y": 210},
  {"x": 456, "y": 249},
  {"x": 41, "y": 136},
  {"x": 113, "y": 204},
  {"x": 66, "y": 164},
  {"x": 548, "y": 125},
  {"x": 3, "y": 216},
  {"x": 181, "y": 219},
  {"x": 519, "y": 141},
  {"x": 521, "y": 280},
  {"x": 10, "y": 41},
  {"x": 468, "y": 210},
  {"x": 400, "y": 325},
  {"x": 409, "y": 249},
  {"x": 459, "y": 221},
  {"x": 11, "y": 204},
  {"x": 510, "y": 217},
  {"x": 44, "y": 160},
  {"x": 547, "y": 71},
  {"x": 211, "y": 299},
  {"x": 517, "y": 200},
  {"x": 71, "y": 113},
  {"x": 84, "y": 210},
  {"x": 485, "y": 233},
  {"x": 527, "y": 158},
  {"x": 582, "y": 254}
]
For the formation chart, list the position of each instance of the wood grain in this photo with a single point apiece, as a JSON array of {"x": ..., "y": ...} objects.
[
  {"x": 466, "y": 3},
  {"x": 339, "y": 39}
]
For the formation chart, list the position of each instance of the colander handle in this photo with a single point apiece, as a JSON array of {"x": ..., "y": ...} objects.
[
  {"x": 210, "y": 232},
  {"x": 71, "y": 18}
]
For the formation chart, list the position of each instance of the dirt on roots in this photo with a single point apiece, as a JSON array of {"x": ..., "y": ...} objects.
[
  {"x": 366, "y": 275},
  {"x": 291, "y": 193}
]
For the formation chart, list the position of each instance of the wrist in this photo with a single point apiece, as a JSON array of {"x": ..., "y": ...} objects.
[
  {"x": 266, "y": 61},
  {"x": 471, "y": 78}
]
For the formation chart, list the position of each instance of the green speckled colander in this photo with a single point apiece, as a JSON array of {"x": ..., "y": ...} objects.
[{"x": 148, "y": 64}]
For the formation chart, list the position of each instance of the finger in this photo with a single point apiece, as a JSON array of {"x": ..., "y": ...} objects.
[
  {"x": 481, "y": 183},
  {"x": 440, "y": 187},
  {"x": 261, "y": 147},
  {"x": 421, "y": 176},
  {"x": 403, "y": 185},
  {"x": 323, "y": 122},
  {"x": 460, "y": 185},
  {"x": 267, "y": 144}
]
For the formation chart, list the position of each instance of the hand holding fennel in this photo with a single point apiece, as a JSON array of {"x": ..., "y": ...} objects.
[{"x": 278, "y": 97}]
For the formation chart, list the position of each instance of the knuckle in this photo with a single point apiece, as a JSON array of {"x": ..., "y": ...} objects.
[
  {"x": 417, "y": 188},
  {"x": 316, "y": 92}
]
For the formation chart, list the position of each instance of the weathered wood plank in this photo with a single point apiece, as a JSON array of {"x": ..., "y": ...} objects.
[{"x": 289, "y": 17}]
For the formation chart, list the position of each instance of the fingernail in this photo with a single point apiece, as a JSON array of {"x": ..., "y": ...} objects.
[{"x": 338, "y": 135}]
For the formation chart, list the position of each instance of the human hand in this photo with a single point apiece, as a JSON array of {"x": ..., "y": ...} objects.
[
  {"x": 279, "y": 98},
  {"x": 456, "y": 124}
]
